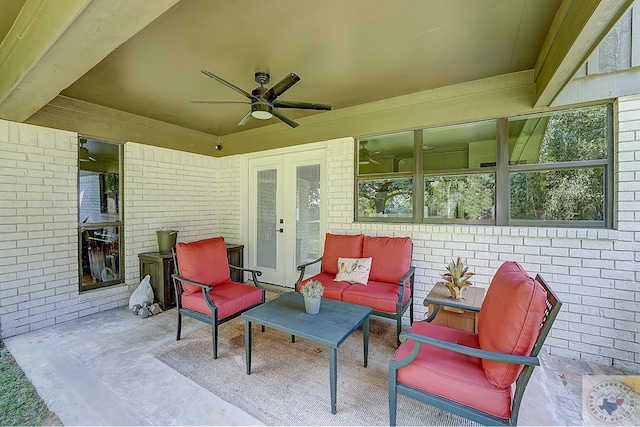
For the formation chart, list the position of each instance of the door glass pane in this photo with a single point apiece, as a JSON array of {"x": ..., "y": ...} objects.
[
  {"x": 307, "y": 213},
  {"x": 266, "y": 218}
]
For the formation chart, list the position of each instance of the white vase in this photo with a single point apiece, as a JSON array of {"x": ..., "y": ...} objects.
[{"x": 312, "y": 305}]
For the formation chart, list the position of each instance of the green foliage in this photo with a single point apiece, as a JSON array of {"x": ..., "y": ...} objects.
[
  {"x": 566, "y": 194},
  {"x": 312, "y": 289},
  {"x": 466, "y": 197},
  {"x": 20, "y": 403},
  {"x": 385, "y": 197}
]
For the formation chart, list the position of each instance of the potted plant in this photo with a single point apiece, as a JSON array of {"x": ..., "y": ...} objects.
[
  {"x": 457, "y": 278},
  {"x": 312, "y": 292}
]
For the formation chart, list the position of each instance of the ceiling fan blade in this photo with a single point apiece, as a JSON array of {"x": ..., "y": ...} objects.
[
  {"x": 301, "y": 105},
  {"x": 245, "y": 119},
  {"x": 228, "y": 84},
  {"x": 220, "y": 102},
  {"x": 280, "y": 87},
  {"x": 279, "y": 114}
]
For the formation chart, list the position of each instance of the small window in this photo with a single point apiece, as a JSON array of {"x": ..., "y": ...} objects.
[
  {"x": 385, "y": 198},
  {"x": 459, "y": 173},
  {"x": 463, "y": 197},
  {"x": 558, "y": 167},
  {"x": 386, "y": 154}
]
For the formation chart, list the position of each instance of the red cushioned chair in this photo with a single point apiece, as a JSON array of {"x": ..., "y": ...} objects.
[
  {"x": 472, "y": 375},
  {"x": 203, "y": 286}
]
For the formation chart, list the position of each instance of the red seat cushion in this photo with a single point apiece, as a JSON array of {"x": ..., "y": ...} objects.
[
  {"x": 452, "y": 375},
  {"x": 332, "y": 289},
  {"x": 391, "y": 257},
  {"x": 203, "y": 261},
  {"x": 230, "y": 298},
  {"x": 377, "y": 295},
  {"x": 340, "y": 245},
  {"x": 510, "y": 320}
]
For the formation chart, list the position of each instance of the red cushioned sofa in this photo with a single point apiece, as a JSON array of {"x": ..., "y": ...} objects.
[
  {"x": 389, "y": 290},
  {"x": 480, "y": 376},
  {"x": 203, "y": 286}
]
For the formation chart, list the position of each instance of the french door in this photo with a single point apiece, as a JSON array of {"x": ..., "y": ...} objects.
[{"x": 285, "y": 215}]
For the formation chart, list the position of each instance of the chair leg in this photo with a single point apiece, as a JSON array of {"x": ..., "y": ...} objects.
[
  {"x": 179, "y": 326},
  {"x": 393, "y": 397},
  {"x": 411, "y": 313},
  {"x": 398, "y": 328},
  {"x": 214, "y": 338}
]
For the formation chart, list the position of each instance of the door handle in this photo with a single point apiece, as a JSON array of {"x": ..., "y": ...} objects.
[{"x": 280, "y": 230}]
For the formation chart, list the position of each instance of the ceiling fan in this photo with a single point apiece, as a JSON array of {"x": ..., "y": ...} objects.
[
  {"x": 364, "y": 155},
  {"x": 263, "y": 101},
  {"x": 83, "y": 153}
]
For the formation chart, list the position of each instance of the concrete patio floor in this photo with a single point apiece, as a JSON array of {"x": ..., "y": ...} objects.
[{"x": 97, "y": 370}]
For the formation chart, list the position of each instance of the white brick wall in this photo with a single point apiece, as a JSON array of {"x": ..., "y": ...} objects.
[
  {"x": 166, "y": 188},
  {"x": 596, "y": 273},
  {"x": 38, "y": 237}
]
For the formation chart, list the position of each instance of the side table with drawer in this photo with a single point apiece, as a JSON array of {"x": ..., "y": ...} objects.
[
  {"x": 458, "y": 314},
  {"x": 160, "y": 267}
]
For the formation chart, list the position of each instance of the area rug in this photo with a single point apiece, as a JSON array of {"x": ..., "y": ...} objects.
[{"x": 289, "y": 382}]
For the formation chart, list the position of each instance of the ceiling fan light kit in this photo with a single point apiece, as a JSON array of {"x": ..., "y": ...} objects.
[{"x": 263, "y": 101}]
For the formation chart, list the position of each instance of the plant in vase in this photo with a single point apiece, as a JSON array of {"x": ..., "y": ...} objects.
[
  {"x": 457, "y": 278},
  {"x": 312, "y": 292}
]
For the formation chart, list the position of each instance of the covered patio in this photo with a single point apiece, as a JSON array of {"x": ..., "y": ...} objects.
[
  {"x": 123, "y": 75},
  {"x": 85, "y": 366}
]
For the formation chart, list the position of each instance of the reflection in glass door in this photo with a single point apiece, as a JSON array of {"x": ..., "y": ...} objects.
[
  {"x": 286, "y": 215},
  {"x": 307, "y": 213},
  {"x": 266, "y": 243}
]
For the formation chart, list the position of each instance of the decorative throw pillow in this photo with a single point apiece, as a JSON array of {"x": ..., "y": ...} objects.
[{"x": 353, "y": 270}]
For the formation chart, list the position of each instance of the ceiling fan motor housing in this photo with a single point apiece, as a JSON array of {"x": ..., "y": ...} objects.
[{"x": 262, "y": 77}]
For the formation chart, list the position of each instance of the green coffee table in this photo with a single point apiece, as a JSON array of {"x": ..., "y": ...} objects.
[{"x": 335, "y": 322}]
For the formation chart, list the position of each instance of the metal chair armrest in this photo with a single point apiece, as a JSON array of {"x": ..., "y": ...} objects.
[
  {"x": 301, "y": 267},
  {"x": 407, "y": 276},
  {"x": 205, "y": 288},
  {"x": 470, "y": 351}
]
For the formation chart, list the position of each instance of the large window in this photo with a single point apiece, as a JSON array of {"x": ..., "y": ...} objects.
[
  {"x": 99, "y": 213},
  {"x": 546, "y": 169}
]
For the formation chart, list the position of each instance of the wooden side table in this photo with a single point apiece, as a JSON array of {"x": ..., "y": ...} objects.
[
  {"x": 160, "y": 267},
  {"x": 458, "y": 314}
]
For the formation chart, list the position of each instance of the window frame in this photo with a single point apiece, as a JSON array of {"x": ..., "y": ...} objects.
[
  {"x": 85, "y": 227},
  {"x": 503, "y": 171}
]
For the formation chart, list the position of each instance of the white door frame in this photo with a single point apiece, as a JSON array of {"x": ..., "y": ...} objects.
[{"x": 289, "y": 237}]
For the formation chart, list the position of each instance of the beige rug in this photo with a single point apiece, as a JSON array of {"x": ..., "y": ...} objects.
[{"x": 289, "y": 383}]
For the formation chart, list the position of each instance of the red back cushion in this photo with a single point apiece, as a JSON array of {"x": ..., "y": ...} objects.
[
  {"x": 391, "y": 257},
  {"x": 510, "y": 320},
  {"x": 340, "y": 245},
  {"x": 203, "y": 261}
]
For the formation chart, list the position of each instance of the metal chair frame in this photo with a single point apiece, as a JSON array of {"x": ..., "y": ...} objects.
[
  {"x": 529, "y": 362},
  {"x": 213, "y": 319}
]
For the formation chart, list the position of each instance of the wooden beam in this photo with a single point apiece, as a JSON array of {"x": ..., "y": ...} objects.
[
  {"x": 118, "y": 126},
  {"x": 53, "y": 43},
  {"x": 482, "y": 99},
  {"x": 576, "y": 32}
]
